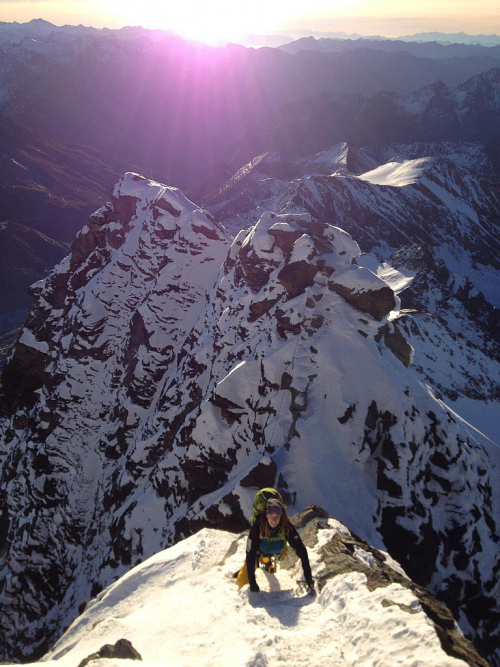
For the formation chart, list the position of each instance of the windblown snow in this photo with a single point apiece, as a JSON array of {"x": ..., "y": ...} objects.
[
  {"x": 181, "y": 608},
  {"x": 398, "y": 173},
  {"x": 167, "y": 374}
]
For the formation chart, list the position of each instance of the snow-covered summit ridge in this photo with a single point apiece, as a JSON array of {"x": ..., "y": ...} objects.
[
  {"x": 164, "y": 374},
  {"x": 170, "y": 609},
  {"x": 439, "y": 201}
]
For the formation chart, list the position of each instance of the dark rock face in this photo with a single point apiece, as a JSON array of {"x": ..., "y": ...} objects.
[
  {"x": 296, "y": 277},
  {"x": 396, "y": 342},
  {"x": 363, "y": 292},
  {"x": 123, "y": 649},
  {"x": 262, "y": 476},
  {"x": 164, "y": 404}
]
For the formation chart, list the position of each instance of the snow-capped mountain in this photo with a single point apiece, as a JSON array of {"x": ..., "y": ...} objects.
[
  {"x": 181, "y": 607},
  {"x": 440, "y": 203},
  {"x": 434, "y": 114},
  {"x": 468, "y": 112},
  {"x": 165, "y": 373},
  {"x": 476, "y": 97}
]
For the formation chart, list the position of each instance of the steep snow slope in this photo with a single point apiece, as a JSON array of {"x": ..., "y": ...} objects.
[
  {"x": 440, "y": 203},
  {"x": 398, "y": 174},
  {"x": 141, "y": 404},
  {"x": 181, "y": 608},
  {"x": 107, "y": 324}
]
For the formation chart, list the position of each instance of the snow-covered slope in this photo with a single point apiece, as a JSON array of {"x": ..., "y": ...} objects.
[
  {"x": 108, "y": 323},
  {"x": 181, "y": 607},
  {"x": 141, "y": 404},
  {"x": 476, "y": 96},
  {"x": 438, "y": 201}
]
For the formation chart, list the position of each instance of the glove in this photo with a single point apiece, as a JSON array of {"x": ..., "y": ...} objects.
[{"x": 254, "y": 587}]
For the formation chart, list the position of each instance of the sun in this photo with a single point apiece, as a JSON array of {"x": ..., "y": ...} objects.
[
  {"x": 210, "y": 30},
  {"x": 208, "y": 21}
]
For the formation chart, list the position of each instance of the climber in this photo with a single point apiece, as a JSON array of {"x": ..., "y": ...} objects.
[{"x": 269, "y": 533}]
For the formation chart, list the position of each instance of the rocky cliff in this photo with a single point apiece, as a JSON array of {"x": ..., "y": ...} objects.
[{"x": 165, "y": 373}]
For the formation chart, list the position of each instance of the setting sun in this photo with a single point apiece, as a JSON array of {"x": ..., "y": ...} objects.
[
  {"x": 227, "y": 20},
  {"x": 220, "y": 20},
  {"x": 211, "y": 22}
]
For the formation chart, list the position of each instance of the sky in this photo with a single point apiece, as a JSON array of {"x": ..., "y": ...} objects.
[{"x": 226, "y": 19}]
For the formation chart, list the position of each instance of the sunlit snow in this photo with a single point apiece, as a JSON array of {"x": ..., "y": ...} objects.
[
  {"x": 398, "y": 173},
  {"x": 182, "y": 608}
]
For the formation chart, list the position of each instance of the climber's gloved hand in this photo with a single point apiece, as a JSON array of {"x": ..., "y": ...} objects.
[{"x": 254, "y": 587}]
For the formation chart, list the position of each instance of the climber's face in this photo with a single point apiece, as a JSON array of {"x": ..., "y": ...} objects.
[{"x": 273, "y": 520}]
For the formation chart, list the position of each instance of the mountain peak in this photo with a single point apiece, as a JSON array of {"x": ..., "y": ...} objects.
[
  {"x": 42, "y": 23},
  {"x": 362, "y": 595}
]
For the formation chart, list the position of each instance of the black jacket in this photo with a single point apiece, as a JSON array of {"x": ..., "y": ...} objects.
[{"x": 293, "y": 539}]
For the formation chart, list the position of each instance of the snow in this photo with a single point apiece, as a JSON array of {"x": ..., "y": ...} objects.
[
  {"x": 396, "y": 279},
  {"x": 181, "y": 608},
  {"x": 482, "y": 416},
  {"x": 358, "y": 279},
  {"x": 398, "y": 173},
  {"x": 28, "y": 338},
  {"x": 335, "y": 365}
]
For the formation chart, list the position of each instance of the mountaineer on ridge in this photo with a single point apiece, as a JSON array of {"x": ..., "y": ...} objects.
[{"x": 270, "y": 530}]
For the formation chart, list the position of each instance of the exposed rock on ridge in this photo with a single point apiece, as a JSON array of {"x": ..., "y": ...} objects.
[
  {"x": 104, "y": 329},
  {"x": 157, "y": 408}
]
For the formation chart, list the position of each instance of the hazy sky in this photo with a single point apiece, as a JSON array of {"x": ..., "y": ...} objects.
[{"x": 225, "y": 19}]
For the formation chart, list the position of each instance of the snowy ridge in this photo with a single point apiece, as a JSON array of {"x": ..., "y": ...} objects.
[
  {"x": 169, "y": 608},
  {"x": 478, "y": 94},
  {"x": 162, "y": 403},
  {"x": 445, "y": 205},
  {"x": 108, "y": 323},
  {"x": 398, "y": 174}
]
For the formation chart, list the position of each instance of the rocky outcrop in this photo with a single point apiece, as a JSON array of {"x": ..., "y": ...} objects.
[
  {"x": 122, "y": 649},
  {"x": 163, "y": 403},
  {"x": 364, "y": 291},
  {"x": 345, "y": 552},
  {"x": 396, "y": 342}
]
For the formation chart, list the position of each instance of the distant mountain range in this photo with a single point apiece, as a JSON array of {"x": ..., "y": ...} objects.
[
  {"x": 95, "y": 107},
  {"x": 468, "y": 113},
  {"x": 104, "y": 92},
  {"x": 41, "y": 28},
  {"x": 440, "y": 37},
  {"x": 434, "y": 50},
  {"x": 324, "y": 319}
]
